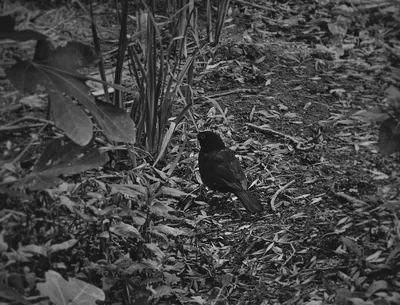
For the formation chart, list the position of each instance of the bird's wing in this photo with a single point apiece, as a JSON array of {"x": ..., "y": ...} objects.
[{"x": 226, "y": 169}]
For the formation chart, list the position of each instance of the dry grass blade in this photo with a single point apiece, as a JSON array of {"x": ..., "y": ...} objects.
[
  {"x": 159, "y": 77},
  {"x": 222, "y": 10},
  {"x": 97, "y": 46},
  {"x": 122, "y": 43}
]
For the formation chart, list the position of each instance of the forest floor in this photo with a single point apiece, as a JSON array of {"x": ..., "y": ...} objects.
[{"x": 330, "y": 227}]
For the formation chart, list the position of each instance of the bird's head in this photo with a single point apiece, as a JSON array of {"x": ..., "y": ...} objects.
[{"x": 210, "y": 141}]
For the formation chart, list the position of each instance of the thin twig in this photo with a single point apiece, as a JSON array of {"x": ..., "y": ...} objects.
[
  {"x": 10, "y": 108},
  {"x": 300, "y": 145},
  {"x": 278, "y": 192},
  {"x": 291, "y": 255},
  {"x": 17, "y": 158},
  {"x": 240, "y": 90},
  {"x": 14, "y": 128},
  {"x": 355, "y": 201},
  {"x": 29, "y": 145},
  {"x": 178, "y": 157},
  {"x": 31, "y": 118},
  {"x": 263, "y": 7},
  {"x": 274, "y": 132}
]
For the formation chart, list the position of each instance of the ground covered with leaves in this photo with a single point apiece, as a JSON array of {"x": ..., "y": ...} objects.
[{"x": 285, "y": 88}]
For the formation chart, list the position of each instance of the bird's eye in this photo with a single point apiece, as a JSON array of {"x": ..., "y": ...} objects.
[{"x": 202, "y": 136}]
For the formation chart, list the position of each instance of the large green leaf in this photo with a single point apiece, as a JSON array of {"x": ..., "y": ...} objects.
[{"x": 56, "y": 70}]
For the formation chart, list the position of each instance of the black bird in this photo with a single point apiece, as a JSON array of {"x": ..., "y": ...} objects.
[{"x": 220, "y": 170}]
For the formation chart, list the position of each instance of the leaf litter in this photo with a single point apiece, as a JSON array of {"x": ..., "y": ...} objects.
[{"x": 330, "y": 231}]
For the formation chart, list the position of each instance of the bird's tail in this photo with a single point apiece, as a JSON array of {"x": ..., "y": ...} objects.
[{"x": 250, "y": 202}]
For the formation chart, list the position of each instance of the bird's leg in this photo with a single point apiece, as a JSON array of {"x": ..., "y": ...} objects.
[
  {"x": 214, "y": 202},
  {"x": 226, "y": 197},
  {"x": 235, "y": 208},
  {"x": 202, "y": 192},
  {"x": 203, "y": 195}
]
